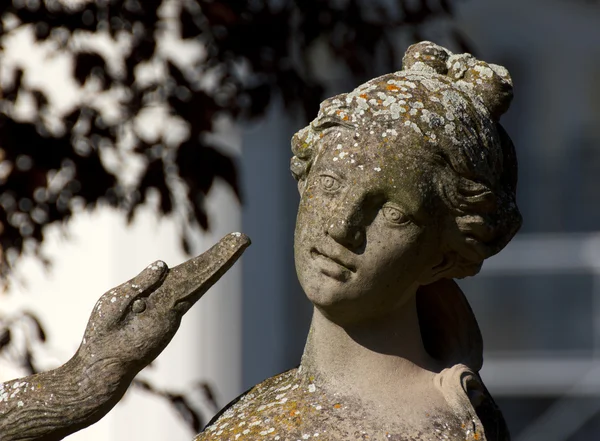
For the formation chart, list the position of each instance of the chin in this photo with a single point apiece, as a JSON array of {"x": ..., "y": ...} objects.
[
  {"x": 335, "y": 301},
  {"x": 324, "y": 291}
]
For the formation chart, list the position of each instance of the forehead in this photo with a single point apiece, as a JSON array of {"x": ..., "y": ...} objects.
[
  {"x": 377, "y": 165},
  {"x": 377, "y": 146}
]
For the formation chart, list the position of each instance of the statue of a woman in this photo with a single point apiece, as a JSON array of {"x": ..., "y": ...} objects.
[{"x": 406, "y": 183}]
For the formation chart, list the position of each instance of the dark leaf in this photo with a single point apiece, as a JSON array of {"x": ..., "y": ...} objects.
[
  {"x": 86, "y": 64},
  {"x": 186, "y": 245},
  {"x": 209, "y": 394},
  {"x": 94, "y": 179},
  {"x": 155, "y": 177},
  {"x": 42, "y": 30},
  {"x": 259, "y": 99},
  {"x": 40, "y": 99},
  {"x": 199, "y": 210},
  {"x": 144, "y": 385},
  {"x": 41, "y": 334},
  {"x": 177, "y": 75},
  {"x": 145, "y": 49},
  {"x": 189, "y": 26},
  {"x": 23, "y": 138},
  {"x": 10, "y": 92},
  {"x": 200, "y": 108},
  {"x": 189, "y": 415},
  {"x": 5, "y": 338},
  {"x": 28, "y": 363},
  {"x": 199, "y": 164},
  {"x": 71, "y": 118}
]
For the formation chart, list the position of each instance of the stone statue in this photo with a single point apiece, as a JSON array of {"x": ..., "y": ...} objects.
[
  {"x": 129, "y": 326},
  {"x": 406, "y": 182}
]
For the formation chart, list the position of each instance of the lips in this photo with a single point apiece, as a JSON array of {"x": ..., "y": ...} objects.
[{"x": 314, "y": 252}]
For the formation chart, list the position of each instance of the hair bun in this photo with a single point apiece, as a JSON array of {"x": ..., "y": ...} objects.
[
  {"x": 491, "y": 83},
  {"x": 426, "y": 56}
]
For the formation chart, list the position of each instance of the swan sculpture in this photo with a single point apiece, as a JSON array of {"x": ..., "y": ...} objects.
[{"x": 128, "y": 328}]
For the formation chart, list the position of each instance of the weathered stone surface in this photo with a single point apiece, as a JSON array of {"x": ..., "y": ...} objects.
[
  {"x": 129, "y": 327},
  {"x": 294, "y": 406},
  {"x": 406, "y": 182}
]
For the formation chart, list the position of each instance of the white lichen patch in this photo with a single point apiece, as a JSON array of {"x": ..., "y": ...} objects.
[
  {"x": 449, "y": 128},
  {"x": 158, "y": 265},
  {"x": 484, "y": 71}
]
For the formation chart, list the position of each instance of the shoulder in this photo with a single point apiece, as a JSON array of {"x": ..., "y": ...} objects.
[
  {"x": 269, "y": 406},
  {"x": 472, "y": 403}
]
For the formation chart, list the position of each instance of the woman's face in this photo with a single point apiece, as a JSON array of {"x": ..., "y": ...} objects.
[{"x": 364, "y": 240}]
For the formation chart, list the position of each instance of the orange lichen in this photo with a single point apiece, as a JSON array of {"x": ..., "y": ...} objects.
[
  {"x": 337, "y": 405},
  {"x": 392, "y": 87},
  {"x": 364, "y": 95}
]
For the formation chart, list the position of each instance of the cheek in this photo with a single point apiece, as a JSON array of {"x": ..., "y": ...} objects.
[
  {"x": 312, "y": 211},
  {"x": 397, "y": 255}
]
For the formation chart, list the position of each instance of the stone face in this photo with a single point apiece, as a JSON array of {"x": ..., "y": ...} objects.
[{"x": 406, "y": 182}]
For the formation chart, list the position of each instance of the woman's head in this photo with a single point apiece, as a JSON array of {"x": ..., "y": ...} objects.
[{"x": 442, "y": 109}]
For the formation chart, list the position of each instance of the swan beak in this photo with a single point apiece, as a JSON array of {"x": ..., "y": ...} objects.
[{"x": 186, "y": 283}]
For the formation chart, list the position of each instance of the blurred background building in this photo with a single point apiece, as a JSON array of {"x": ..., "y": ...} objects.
[{"x": 537, "y": 302}]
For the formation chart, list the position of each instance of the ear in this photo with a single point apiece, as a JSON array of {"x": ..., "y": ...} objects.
[{"x": 444, "y": 269}]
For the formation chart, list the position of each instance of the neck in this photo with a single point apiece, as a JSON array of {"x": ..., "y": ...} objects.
[
  {"x": 52, "y": 405},
  {"x": 366, "y": 358}
]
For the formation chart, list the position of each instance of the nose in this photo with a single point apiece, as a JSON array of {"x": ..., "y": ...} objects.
[{"x": 345, "y": 226}]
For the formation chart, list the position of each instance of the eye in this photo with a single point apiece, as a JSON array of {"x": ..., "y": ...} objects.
[
  {"x": 139, "y": 306},
  {"x": 394, "y": 215},
  {"x": 329, "y": 183}
]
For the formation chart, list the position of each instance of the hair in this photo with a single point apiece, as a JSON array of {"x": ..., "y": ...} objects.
[{"x": 448, "y": 105}]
